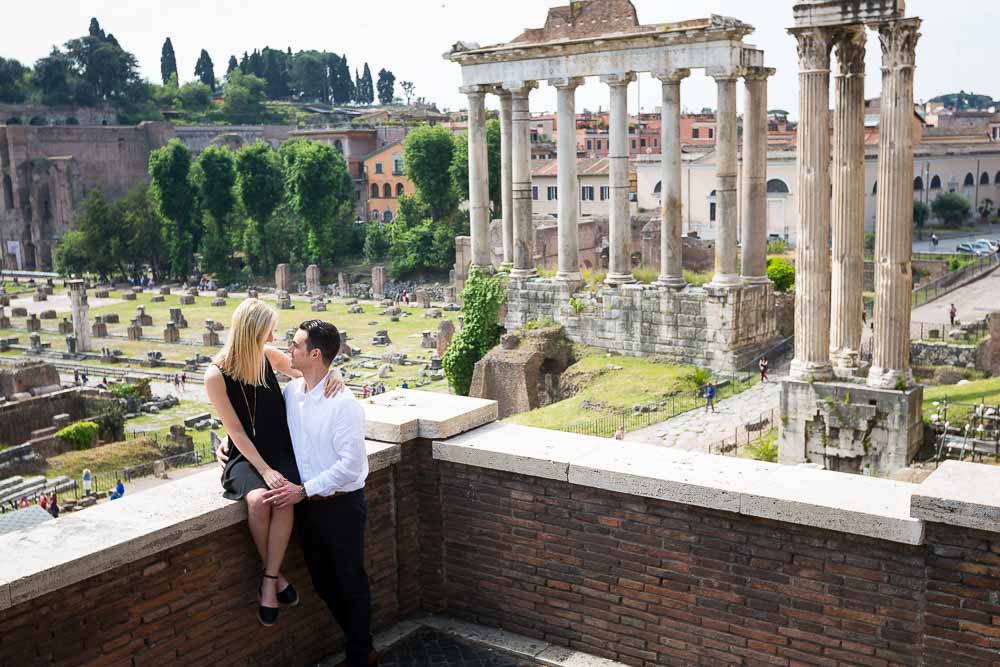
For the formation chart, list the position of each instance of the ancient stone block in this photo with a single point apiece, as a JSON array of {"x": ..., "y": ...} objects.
[
  {"x": 171, "y": 334},
  {"x": 282, "y": 278},
  {"x": 177, "y": 317},
  {"x": 218, "y": 303},
  {"x": 143, "y": 319},
  {"x": 102, "y": 294},
  {"x": 111, "y": 318},
  {"x": 134, "y": 330},
  {"x": 378, "y": 282},
  {"x": 165, "y": 291},
  {"x": 99, "y": 328},
  {"x": 209, "y": 338},
  {"x": 313, "y": 283},
  {"x": 33, "y": 323},
  {"x": 445, "y": 332},
  {"x": 129, "y": 295},
  {"x": 221, "y": 294},
  {"x": 187, "y": 300},
  {"x": 66, "y": 326},
  {"x": 40, "y": 295}
]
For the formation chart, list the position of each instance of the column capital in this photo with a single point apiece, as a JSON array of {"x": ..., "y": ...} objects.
[
  {"x": 622, "y": 79},
  {"x": 476, "y": 90},
  {"x": 849, "y": 46},
  {"x": 757, "y": 73},
  {"x": 814, "y": 46},
  {"x": 724, "y": 73},
  {"x": 519, "y": 88},
  {"x": 502, "y": 93},
  {"x": 672, "y": 75},
  {"x": 899, "y": 42},
  {"x": 571, "y": 82}
]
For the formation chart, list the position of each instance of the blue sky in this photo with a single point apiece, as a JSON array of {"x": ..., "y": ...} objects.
[{"x": 959, "y": 48}]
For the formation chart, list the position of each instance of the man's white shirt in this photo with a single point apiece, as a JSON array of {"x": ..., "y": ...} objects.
[{"x": 328, "y": 437}]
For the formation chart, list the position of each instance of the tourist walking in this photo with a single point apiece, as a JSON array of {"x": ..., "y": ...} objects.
[
  {"x": 952, "y": 312},
  {"x": 243, "y": 389},
  {"x": 934, "y": 240},
  {"x": 864, "y": 317},
  {"x": 54, "y": 506},
  {"x": 710, "y": 397},
  {"x": 620, "y": 433},
  {"x": 76, "y": 377},
  {"x": 88, "y": 482},
  {"x": 762, "y": 365}
]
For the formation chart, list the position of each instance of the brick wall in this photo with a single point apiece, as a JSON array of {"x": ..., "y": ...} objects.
[{"x": 195, "y": 604}]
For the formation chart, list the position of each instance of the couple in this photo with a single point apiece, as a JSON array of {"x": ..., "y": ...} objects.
[{"x": 301, "y": 448}]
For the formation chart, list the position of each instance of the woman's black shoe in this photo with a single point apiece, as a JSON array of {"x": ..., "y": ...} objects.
[
  {"x": 267, "y": 616},
  {"x": 289, "y": 596}
]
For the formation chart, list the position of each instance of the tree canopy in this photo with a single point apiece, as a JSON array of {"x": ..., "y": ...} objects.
[
  {"x": 427, "y": 154},
  {"x": 168, "y": 62},
  {"x": 205, "y": 70}
]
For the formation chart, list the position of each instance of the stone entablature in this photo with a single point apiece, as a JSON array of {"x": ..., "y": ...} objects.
[{"x": 720, "y": 329}]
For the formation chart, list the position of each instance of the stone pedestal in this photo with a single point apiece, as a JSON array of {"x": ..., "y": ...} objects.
[
  {"x": 221, "y": 294},
  {"x": 284, "y": 301},
  {"x": 343, "y": 286},
  {"x": 129, "y": 295},
  {"x": 313, "y": 281},
  {"x": 18, "y": 311},
  {"x": 111, "y": 318},
  {"x": 48, "y": 314},
  {"x": 445, "y": 332},
  {"x": 165, "y": 291},
  {"x": 171, "y": 334},
  {"x": 99, "y": 328},
  {"x": 4, "y": 319},
  {"x": 102, "y": 294},
  {"x": 158, "y": 298},
  {"x": 33, "y": 323},
  {"x": 282, "y": 278},
  {"x": 423, "y": 298},
  {"x": 142, "y": 318},
  {"x": 66, "y": 326},
  {"x": 177, "y": 318},
  {"x": 210, "y": 338},
  {"x": 218, "y": 303},
  {"x": 848, "y": 427},
  {"x": 80, "y": 309},
  {"x": 186, "y": 300},
  {"x": 39, "y": 295},
  {"x": 134, "y": 330},
  {"x": 378, "y": 282}
]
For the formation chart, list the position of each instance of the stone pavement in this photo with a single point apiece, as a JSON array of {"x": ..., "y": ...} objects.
[
  {"x": 428, "y": 646},
  {"x": 697, "y": 430},
  {"x": 973, "y": 302}
]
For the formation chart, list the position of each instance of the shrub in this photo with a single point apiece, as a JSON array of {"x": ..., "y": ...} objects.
[
  {"x": 594, "y": 278},
  {"x": 777, "y": 247},
  {"x": 125, "y": 390},
  {"x": 645, "y": 275},
  {"x": 696, "y": 279},
  {"x": 377, "y": 242},
  {"x": 699, "y": 377},
  {"x": 540, "y": 323},
  {"x": 481, "y": 301},
  {"x": 952, "y": 208},
  {"x": 869, "y": 241},
  {"x": 81, "y": 434},
  {"x": 765, "y": 449},
  {"x": 782, "y": 273},
  {"x": 577, "y": 304}
]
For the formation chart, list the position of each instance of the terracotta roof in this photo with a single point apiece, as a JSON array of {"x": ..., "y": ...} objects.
[{"x": 584, "y": 167}]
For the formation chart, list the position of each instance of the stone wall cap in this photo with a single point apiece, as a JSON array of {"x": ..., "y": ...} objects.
[
  {"x": 82, "y": 544},
  {"x": 960, "y": 494},
  {"x": 402, "y": 415},
  {"x": 819, "y": 498}
]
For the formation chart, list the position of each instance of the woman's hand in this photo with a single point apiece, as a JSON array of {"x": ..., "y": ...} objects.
[
  {"x": 273, "y": 478},
  {"x": 333, "y": 384}
]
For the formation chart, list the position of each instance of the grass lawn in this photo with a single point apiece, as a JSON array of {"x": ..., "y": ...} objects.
[
  {"x": 638, "y": 381},
  {"x": 970, "y": 393},
  {"x": 107, "y": 458}
]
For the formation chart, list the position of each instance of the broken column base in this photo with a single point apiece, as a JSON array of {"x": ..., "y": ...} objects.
[
  {"x": 849, "y": 427},
  {"x": 284, "y": 301}
]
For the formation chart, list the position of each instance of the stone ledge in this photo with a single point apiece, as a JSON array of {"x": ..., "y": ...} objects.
[
  {"x": 818, "y": 498},
  {"x": 960, "y": 494},
  {"x": 77, "y": 546},
  {"x": 402, "y": 415}
]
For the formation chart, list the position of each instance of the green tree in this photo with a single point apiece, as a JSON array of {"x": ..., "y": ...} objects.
[
  {"x": 309, "y": 76},
  {"x": 174, "y": 194},
  {"x": 408, "y": 88},
  {"x": 55, "y": 79},
  {"x": 71, "y": 253},
  {"x": 243, "y": 98},
  {"x": 276, "y": 74},
  {"x": 951, "y": 208},
  {"x": 427, "y": 154},
  {"x": 141, "y": 232},
  {"x": 377, "y": 242},
  {"x": 459, "y": 167},
  {"x": 921, "y": 212},
  {"x": 985, "y": 210},
  {"x": 168, "y": 62},
  {"x": 194, "y": 96},
  {"x": 481, "y": 301},
  {"x": 260, "y": 187},
  {"x": 367, "y": 87},
  {"x": 14, "y": 83},
  {"x": 205, "y": 70},
  {"x": 386, "y": 86},
  {"x": 781, "y": 272},
  {"x": 215, "y": 176},
  {"x": 232, "y": 65},
  {"x": 319, "y": 189},
  {"x": 107, "y": 72}
]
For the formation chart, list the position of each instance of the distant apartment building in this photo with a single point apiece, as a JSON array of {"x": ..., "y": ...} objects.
[{"x": 385, "y": 182}]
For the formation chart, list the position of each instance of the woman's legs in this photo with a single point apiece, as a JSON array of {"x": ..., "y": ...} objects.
[{"x": 271, "y": 530}]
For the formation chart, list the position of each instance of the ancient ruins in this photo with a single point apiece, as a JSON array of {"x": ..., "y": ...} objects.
[
  {"x": 837, "y": 412},
  {"x": 723, "y": 325}
]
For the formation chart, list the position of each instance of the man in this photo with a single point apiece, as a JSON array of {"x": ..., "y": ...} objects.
[
  {"x": 952, "y": 312},
  {"x": 710, "y": 397},
  {"x": 328, "y": 436}
]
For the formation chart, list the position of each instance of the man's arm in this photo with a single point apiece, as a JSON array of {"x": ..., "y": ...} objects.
[{"x": 348, "y": 439}]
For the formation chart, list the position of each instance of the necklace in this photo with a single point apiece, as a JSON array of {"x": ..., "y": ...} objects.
[{"x": 253, "y": 412}]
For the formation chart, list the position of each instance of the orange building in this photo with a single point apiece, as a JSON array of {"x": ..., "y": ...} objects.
[{"x": 385, "y": 182}]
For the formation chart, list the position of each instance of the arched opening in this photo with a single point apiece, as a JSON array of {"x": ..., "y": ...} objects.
[
  {"x": 13, "y": 120},
  {"x": 970, "y": 180},
  {"x": 38, "y": 120},
  {"x": 375, "y": 215},
  {"x": 776, "y": 186},
  {"x": 339, "y": 145},
  {"x": 918, "y": 184},
  {"x": 387, "y": 216},
  {"x": 875, "y": 188},
  {"x": 996, "y": 181},
  {"x": 29, "y": 256},
  {"x": 71, "y": 120},
  {"x": 400, "y": 190},
  {"x": 936, "y": 183},
  {"x": 659, "y": 188},
  {"x": 984, "y": 179},
  {"x": 387, "y": 191},
  {"x": 374, "y": 191},
  {"x": 8, "y": 193},
  {"x": 711, "y": 206}
]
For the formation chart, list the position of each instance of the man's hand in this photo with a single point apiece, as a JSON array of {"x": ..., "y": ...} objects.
[
  {"x": 222, "y": 452},
  {"x": 284, "y": 496},
  {"x": 333, "y": 384}
]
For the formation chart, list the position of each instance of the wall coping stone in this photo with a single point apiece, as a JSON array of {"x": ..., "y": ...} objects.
[
  {"x": 83, "y": 544},
  {"x": 403, "y": 415},
  {"x": 803, "y": 495},
  {"x": 959, "y": 493}
]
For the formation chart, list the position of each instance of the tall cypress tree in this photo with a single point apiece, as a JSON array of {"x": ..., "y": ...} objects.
[
  {"x": 205, "y": 70},
  {"x": 168, "y": 63},
  {"x": 232, "y": 65},
  {"x": 369, "y": 85}
]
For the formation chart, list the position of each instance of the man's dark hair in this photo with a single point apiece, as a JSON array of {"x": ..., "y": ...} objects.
[{"x": 322, "y": 336}]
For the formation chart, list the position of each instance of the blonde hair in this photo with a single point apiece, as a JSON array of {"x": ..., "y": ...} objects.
[{"x": 242, "y": 357}]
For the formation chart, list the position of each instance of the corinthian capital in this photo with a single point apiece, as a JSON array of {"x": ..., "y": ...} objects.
[
  {"x": 850, "y": 50},
  {"x": 899, "y": 42},
  {"x": 814, "y": 47}
]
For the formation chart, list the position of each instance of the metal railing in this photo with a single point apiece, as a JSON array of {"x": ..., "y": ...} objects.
[
  {"x": 971, "y": 332},
  {"x": 953, "y": 280},
  {"x": 965, "y": 430},
  {"x": 746, "y": 435}
]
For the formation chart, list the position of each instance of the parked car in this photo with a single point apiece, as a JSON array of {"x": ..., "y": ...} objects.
[
  {"x": 992, "y": 245},
  {"x": 967, "y": 248}
]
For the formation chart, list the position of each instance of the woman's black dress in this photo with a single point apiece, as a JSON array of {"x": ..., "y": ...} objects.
[{"x": 271, "y": 436}]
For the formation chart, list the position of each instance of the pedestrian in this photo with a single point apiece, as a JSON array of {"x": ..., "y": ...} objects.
[
  {"x": 710, "y": 397},
  {"x": 183, "y": 381},
  {"x": 364, "y": 391},
  {"x": 54, "y": 506},
  {"x": 120, "y": 488},
  {"x": 952, "y": 312},
  {"x": 88, "y": 482},
  {"x": 405, "y": 385},
  {"x": 762, "y": 364},
  {"x": 864, "y": 317},
  {"x": 76, "y": 377},
  {"x": 84, "y": 378},
  {"x": 24, "y": 502},
  {"x": 43, "y": 502},
  {"x": 620, "y": 433},
  {"x": 934, "y": 240}
]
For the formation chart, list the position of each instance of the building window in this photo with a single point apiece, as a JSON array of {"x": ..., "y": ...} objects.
[
  {"x": 8, "y": 193},
  {"x": 397, "y": 165},
  {"x": 387, "y": 191},
  {"x": 590, "y": 145},
  {"x": 374, "y": 191},
  {"x": 984, "y": 179},
  {"x": 970, "y": 180},
  {"x": 996, "y": 133},
  {"x": 534, "y": 192},
  {"x": 387, "y": 216},
  {"x": 711, "y": 211},
  {"x": 552, "y": 192},
  {"x": 400, "y": 190},
  {"x": 598, "y": 144},
  {"x": 642, "y": 143},
  {"x": 936, "y": 183},
  {"x": 918, "y": 184},
  {"x": 605, "y": 192},
  {"x": 378, "y": 167},
  {"x": 656, "y": 142},
  {"x": 339, "y": 146},
  {"x": 695, "y": 133},
  {"x": 711, "y": 133},
  {"x": 375, "y": 215},
  {"x": 633, "y": 144},
  {"x": 996, "y": 181},
  {"x": 777, "y": 186},
  {"x": 587, "y": 193}
]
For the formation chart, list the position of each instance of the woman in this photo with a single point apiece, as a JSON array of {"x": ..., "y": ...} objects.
[{"x": 244, "y": 391}]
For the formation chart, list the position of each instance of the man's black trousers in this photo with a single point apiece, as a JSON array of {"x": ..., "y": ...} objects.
[{"x": 332, "y": 534}]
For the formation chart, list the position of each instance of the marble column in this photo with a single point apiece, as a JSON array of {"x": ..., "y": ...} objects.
[
  {"x": 620, "y": 223},
  {"x": 812, "y": 247},
  {"x": 893, "y": 227},
  {"x": 479, "y": 186},
  {"x": 848, "y": 199},
  {"x": 671, "y": 213},
  {"x": 568, "y": 231},
  {"x": 753, "y": 213},
  {"x": 506, "y": 197},
  {"x": 523, "y": 237},
  {"x": 727, "y": 212}
]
